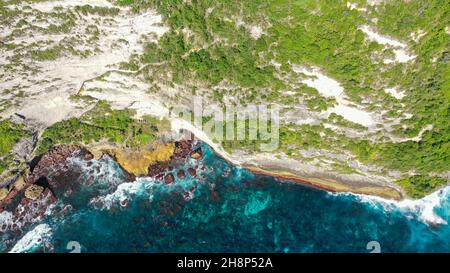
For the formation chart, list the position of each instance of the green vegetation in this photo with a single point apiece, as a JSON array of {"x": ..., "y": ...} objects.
[
  {"x": 212, "y": 44},
  {"x": 102, "y": 122},
  {"x": 320, "y": 103},
  {"x": 238, "y": 64},
  {"x": 418, "y": 186},
  {"x": 341, "y": 121},
  {"x": 10, "y": 134},
  {"x": 102, "y": 11},
  {"x": 49, "y": 54},
  {"x": 324, "y": 34},
  {"x": 344, "y": 168}
]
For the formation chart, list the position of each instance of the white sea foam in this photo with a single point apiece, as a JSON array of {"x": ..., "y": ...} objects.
[
  {"x": 38, "y": 237},
  {"x": 105, "y": 168},
  {"x": 423, "y": 209},
  {"x": 142, "y": 187},
  {"x": 126, "y": 191},
  {"x": 6, "y": 218},
  {"x": 118, "y": 192}
]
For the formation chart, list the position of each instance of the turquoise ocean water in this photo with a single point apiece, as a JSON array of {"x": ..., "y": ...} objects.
[{"x": 227, "y": 209}]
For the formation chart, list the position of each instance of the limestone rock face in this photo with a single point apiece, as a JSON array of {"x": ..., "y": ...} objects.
[
  {"x": 53, "y": 158},
  {"x": 197, "y": 155},
  {"x": 192, "y": 172},
  {"x": 181, "y": 174},
  {"x": 3, "y": 193},
  {"x": 169, "y": 179},
  {"x": 33, "y": 192},
  {"x": 138, "y": 162},
  {"x": 19, "y": 184}
]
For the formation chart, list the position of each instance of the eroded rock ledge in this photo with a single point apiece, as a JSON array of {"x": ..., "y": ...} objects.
[{"x": 50, "y": 176}]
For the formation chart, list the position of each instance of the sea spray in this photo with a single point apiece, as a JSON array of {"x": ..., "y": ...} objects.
[
  {"x": 225, "y": 208},
  {"x": 38, "y": 239},
  {"x": 424, "y": 209}
]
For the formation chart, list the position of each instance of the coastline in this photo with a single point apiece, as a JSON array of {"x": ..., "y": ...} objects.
[
  {"x": 330, "y": 185},
  {"x": 322, "y": 183},
  {"x": 327, "y": 184}
]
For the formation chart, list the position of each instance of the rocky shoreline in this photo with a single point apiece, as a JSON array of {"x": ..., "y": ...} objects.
[
  {"x": 50, "y": 176},
  {"x": 37, "y": 182},
  {"x": 319, "y": 180},
  {"x": 331, "y": 185}
]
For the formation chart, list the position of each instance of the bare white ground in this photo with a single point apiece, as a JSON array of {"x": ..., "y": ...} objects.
[
  {"x": 255, "y": 31},
  {"x": 354, "y": 6},
  {"x": 45, "y": 89},
  {"x": 125, "y": 91},
  {"x": 37, "y": 237},
  {"x": 329, "y": 87},
  {"x": 400, "y": 49},
  {"x": 393, "y": 91}
]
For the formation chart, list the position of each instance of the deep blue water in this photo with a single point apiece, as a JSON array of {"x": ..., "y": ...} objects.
[{"x": 231, "y": 210}]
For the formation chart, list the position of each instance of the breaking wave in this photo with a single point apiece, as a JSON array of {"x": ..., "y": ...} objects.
[
  {"x": 34, "y": 240},
  {"x": 429, "y": 209},
  {"x": 226, "y": 208}
]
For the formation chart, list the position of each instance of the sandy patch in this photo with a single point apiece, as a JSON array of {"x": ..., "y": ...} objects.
[
  {"x": 256, "y": 32},
  {"x": 354, "y": 6},
  {"x": 400, "y": 49},
  {"x": 329, "y": 87},
  {"x": 393, "y": 91}
]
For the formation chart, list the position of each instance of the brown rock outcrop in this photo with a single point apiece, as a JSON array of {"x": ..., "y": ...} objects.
[
  {"x": 155, "y": 170},
  {"x": 169, "y": 179},
  {"x": 197, "y": 154},
  {"x": 181, "y": 174},
  {"x": 53, "y": 158},
  {"x": 192, "y": 172},
  {"x": 33, "y": 192}
]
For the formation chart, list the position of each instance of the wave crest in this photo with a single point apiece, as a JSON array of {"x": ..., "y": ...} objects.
[{"x": 424, "y": 209}]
